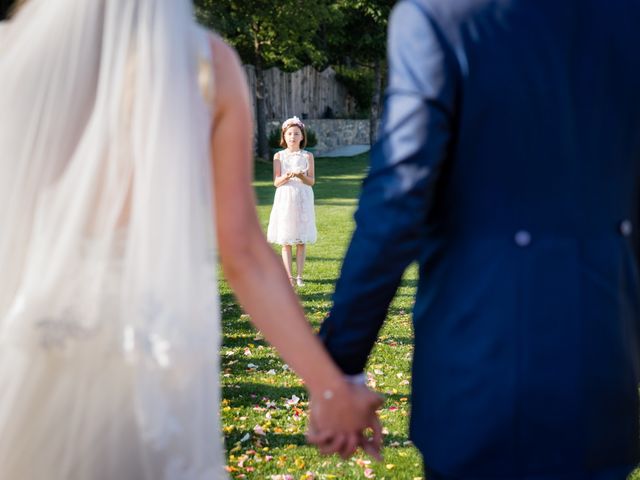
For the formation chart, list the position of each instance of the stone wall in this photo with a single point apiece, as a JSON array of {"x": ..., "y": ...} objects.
[{"x": 333, "y": 133}]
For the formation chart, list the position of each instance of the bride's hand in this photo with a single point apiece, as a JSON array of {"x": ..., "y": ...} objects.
[{"x": 338, "y": 424}]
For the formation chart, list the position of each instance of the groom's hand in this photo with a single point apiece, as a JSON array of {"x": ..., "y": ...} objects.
[{"x": 339, "y": 425}]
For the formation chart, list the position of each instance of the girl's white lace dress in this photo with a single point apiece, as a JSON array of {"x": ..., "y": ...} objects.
[{"x": 293, "y": 218}]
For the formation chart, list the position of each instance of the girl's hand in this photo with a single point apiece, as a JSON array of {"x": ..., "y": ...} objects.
[
  {"x": 303, "y": 176},
  {"x": 284, "y": 179}
]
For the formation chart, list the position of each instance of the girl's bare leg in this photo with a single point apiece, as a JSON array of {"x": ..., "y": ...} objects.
[
  {"x": 300, "y": 258},
  {"x": 286, "y": 259}
]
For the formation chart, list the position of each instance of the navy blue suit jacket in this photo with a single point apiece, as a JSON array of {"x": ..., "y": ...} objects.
[{"x": 507, "y": 167}]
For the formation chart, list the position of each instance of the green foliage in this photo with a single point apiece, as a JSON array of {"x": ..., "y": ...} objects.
[
  {"x": 347, "y": 34},
  {"x": 274, "y": 138},
  {"x": 257, "y": 385},
  {"x": 355, "y": 42},
  {"x": 312, "y": 139},
  {"x": 358, "y": 31},
  {"x": 359, "y": 83},
  {"x": 269, "y": 33}
]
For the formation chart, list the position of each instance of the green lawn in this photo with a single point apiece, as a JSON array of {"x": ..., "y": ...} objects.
[
  {"x": 264, "y": 404},
  {"x": 264, "y": 422}
]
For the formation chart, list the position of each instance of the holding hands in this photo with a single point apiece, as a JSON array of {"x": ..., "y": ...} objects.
[{"x": 339, "y": 421}]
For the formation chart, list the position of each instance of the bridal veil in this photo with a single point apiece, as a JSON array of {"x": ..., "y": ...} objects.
[{"x": 109, "y": 327}]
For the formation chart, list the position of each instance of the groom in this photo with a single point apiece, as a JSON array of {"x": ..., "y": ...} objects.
[{"x": 508, "y": 168}]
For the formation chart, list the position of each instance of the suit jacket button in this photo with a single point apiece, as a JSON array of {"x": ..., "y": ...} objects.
[
  {"x": 626, "y": 227},
  {"x": 522, "y": 238}
]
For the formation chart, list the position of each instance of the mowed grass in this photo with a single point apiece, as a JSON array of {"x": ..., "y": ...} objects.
[{"x": 264, "y": 406}]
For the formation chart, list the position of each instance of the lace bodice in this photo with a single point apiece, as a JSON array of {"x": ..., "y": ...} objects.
[
  {"x": 294, "y": 162},
  {"x": 292, "y": 219}
]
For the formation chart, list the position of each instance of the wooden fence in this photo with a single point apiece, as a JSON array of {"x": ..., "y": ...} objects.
[{"x": 306, "y": 93}]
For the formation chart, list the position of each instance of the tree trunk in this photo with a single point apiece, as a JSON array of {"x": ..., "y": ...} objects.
[
  {"x": 374, "y": 118},
  {"x": 261, "y": 112}
]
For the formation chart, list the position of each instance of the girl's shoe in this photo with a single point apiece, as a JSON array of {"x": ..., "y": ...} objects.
[
  {"x": 292, "y": 281},
  {"x": 299, "y": 281}
]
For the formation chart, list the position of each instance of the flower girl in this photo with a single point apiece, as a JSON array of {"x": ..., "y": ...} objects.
[{"x": 292, "y": 220}]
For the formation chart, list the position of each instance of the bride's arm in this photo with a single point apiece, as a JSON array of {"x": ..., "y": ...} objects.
[{"x": 254, "y": 271}]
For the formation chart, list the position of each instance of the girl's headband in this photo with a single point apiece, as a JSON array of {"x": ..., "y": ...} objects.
[{"x": 292, "y": 121}]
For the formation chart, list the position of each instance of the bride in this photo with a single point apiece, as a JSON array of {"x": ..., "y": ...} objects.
[{"x": 124, "y": 132}]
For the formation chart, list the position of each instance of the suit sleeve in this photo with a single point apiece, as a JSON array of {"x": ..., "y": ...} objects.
[{"x": 413, "y": 144}]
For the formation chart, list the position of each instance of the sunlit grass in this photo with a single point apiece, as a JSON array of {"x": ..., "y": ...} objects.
[{"x": 264, "y": 404}]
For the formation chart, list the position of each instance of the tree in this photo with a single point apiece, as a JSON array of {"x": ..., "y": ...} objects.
[
  {"x": 267, "y": 34},
  {"x": 356, "y": 40}
]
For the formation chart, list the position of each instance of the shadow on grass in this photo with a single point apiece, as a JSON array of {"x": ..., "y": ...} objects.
[
  {"x": 329, "y": 185},
  {"x": 341, "y": 191},
  {"x": 242, "y": 339},
  {"x": 320, "y": 280},
  {"x": 275, "y": 440},
  {"x": 252, "y": 393},
  {"x": 272, "y": 439},
  {"x": 392, "y": 341}
]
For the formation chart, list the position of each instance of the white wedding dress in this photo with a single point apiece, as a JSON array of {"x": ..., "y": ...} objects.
[{"x": 109, "y": 318}]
